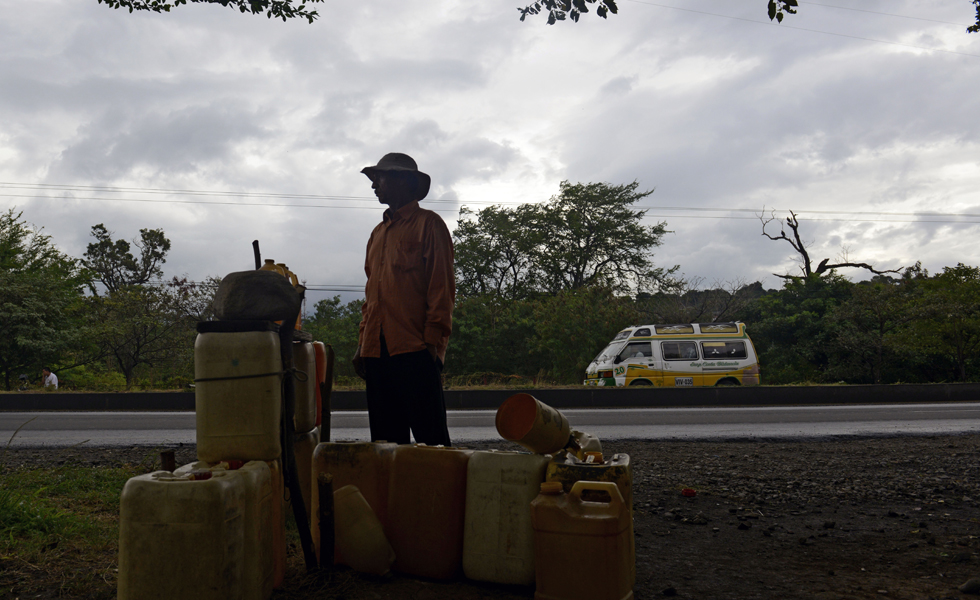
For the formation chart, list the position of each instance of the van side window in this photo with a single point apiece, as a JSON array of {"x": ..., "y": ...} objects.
[
  {"x": 636, "y": 350},
  {"x": 722, "y": 350},
  {"x": 673, "y": 329},
  {"x": 679, "y": 350},
  {"x": 642, "y": 332}
]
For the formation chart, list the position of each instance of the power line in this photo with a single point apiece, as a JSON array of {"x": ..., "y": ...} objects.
[
  {"x": 785, "y": 26},
  {"x": 917, "y": 217},
  {"x": 875, "y": 12}
]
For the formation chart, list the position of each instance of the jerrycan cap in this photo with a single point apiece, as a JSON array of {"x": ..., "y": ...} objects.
[{"x": 551, "y": 488}]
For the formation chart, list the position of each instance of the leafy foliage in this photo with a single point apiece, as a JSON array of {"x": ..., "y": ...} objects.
[
  {"x": 137, "y": 324},
  {"x": 337, "y": 324},
  {"x": 280, "y": 9},
  {"x": 776, "y": 9},
  {"x": 575, "y": 324},
  {"x": 952, "y": 300},
  {"x": 40, "y": 299},
  {"x": 586, "y": 236},
  {"x": 559, "y": 10},
  {"x": 116, "y": 267}
]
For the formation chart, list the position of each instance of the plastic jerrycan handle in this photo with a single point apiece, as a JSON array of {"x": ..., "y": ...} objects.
[{"x": 609, "y": 487}]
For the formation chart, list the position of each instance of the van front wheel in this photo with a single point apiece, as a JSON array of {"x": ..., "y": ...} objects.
[
  {"x": 727, "y": 382},
  {"x": 640, "y": 382}
]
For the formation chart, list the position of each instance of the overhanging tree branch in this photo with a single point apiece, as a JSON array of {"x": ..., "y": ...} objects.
[{"x": 279, "y": 9}]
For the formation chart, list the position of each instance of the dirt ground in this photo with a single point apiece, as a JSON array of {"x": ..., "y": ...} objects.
[{"x": 835, "y": 519}]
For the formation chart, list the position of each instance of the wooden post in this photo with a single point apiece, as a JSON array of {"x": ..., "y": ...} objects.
[
  {"x": 168, "y": 460},
  {"x": 324, "y": 483}
]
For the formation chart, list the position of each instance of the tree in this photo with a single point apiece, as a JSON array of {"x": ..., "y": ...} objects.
[
  {"x": 493, "y": 334},
  {"x": 574, "y": 325},
  {"x": 140, "y": 325},
  {"x": 872, "y": 326},
  {"x": 40, "y": 299},
  {"x": 280, "y": 9},
  {"x": 116, "y": 267},
  {"x": 791, "y": 330},
  {"x": 494, "y": 252},
  {"x": 952, "y": 299},
  {"x": 806, "y": 265},
  {"x": 337, "y": 324},
  {"x": 588, "y": 235},
  {"x": 688, "y": 302}
]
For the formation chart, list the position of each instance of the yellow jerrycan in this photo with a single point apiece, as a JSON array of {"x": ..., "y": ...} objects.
[
  {"x": 581, "y": 547},
  {"x": 259, "y": 522},
  {"x": 359, "y": 534},
  {"x": 182, "y": 538},
  {"x": 498, "y": 542}
]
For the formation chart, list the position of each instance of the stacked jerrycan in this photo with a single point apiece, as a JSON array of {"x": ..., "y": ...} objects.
[
  {"x": 216, "y": 528},
  {"x": 585, "y": 506},
  {"x": 305, "y": 418}
]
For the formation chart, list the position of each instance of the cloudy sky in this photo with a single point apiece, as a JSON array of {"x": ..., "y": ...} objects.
[{"x": 221, "y": 128}]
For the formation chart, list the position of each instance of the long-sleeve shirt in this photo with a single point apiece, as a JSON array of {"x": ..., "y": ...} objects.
[{"x": 411, "y": 284}]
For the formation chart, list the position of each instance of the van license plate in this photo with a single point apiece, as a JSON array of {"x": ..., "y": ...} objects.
[{"x": 683, "y": 381}]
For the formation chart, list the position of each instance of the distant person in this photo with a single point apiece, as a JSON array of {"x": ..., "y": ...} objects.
[
  {"x": 407, "y": 311},
  {"x": 48, "y": 378}
]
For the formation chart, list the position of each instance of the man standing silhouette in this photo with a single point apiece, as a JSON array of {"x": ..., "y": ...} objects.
[{"x": 407, "y": 312}]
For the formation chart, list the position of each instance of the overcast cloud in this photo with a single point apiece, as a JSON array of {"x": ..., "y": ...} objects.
[{"x": 718, "y": 110}]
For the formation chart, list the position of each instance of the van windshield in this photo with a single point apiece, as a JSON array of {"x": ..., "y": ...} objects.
[{"x": 610, "y": 352}]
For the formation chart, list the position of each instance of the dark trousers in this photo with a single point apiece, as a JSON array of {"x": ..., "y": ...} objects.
[{"x": 405, "y": 392}]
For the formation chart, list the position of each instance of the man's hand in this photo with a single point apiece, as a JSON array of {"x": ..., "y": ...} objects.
[
  {"x": 359, "y": 364},
  {"x": 432, "y": 352}
]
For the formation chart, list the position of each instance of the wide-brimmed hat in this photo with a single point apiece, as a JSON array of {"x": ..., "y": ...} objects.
[{"x": 396, "y": 161}]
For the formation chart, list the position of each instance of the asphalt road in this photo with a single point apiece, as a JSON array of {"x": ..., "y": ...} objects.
[{"x": 168, "y": 428}]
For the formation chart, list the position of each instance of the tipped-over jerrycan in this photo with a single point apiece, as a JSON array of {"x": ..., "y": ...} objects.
[
  {"x": 182, "y": 538},
  {"x": 426, "y": 504},
  {"x": 498, "y": 541},
  {"x": 524, "y": 419},
  {"x": 366, "y": 465},
  {"x": 581, "y": 547},
  {"x": 359, "y": 533},
  {"x": 238, "y": 394},
  {"x": 259, "y": 516},
  {"x": 304, "y": 359}
]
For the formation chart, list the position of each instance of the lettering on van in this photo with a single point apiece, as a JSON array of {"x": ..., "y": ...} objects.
[
  {"x": 720, "y": 363},
  {"x": 619, "y": 371}
]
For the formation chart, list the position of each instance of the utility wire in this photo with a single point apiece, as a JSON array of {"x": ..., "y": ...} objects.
[
  {"x": 785, "y": 26},
  {"x": 875, "y": 12},
  {"x": 915, "y": 217}
]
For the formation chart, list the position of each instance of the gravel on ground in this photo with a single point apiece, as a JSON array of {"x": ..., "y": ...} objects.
[{"x": 831, "y": 519}]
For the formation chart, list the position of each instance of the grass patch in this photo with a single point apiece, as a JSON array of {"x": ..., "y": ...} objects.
[{"x": 59, "y": 529}]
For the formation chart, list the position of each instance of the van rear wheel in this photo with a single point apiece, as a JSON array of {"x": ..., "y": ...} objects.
[{"x": 728, "y": 382}]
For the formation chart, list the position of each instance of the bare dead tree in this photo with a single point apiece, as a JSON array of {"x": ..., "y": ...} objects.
[{"x": 800, "y": 247}]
